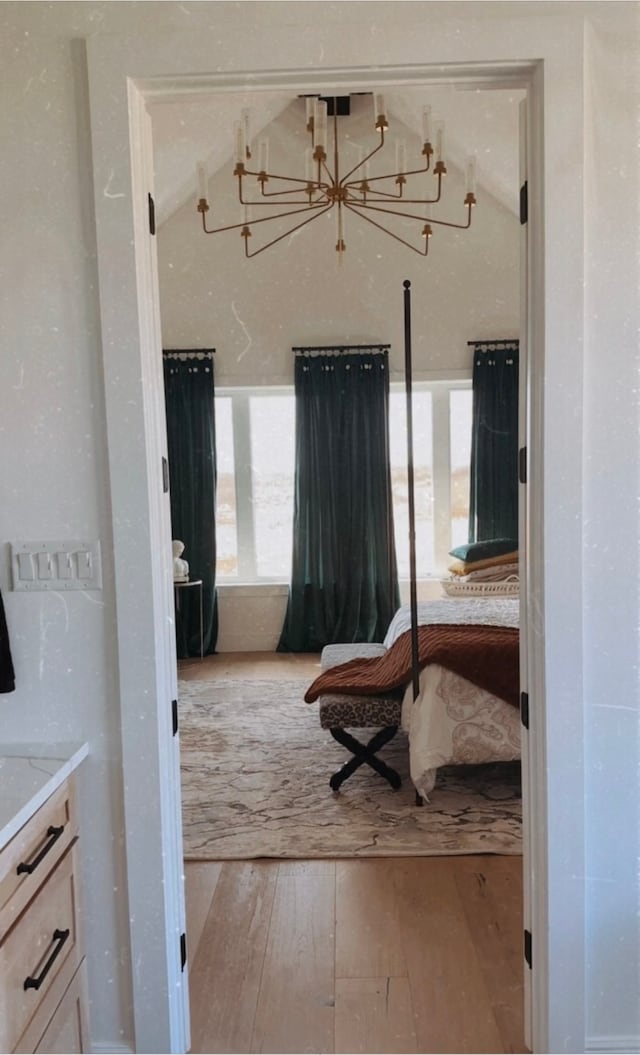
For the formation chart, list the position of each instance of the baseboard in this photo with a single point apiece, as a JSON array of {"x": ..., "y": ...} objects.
[
  {"x": 612, "y": 1045},
  {"x": 111, "y": 1049}
]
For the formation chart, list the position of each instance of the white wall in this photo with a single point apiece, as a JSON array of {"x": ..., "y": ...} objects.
[
  {"x": 611, "y": 545},
  {"x": 53, "y": 476},
  {"x": 251, "y": 618}
]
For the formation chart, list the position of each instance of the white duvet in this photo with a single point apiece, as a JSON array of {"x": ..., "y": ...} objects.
[{"x": 452, "y": 722}]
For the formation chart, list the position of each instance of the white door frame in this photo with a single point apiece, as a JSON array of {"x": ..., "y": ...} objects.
[{"x": 133, "y": 382}]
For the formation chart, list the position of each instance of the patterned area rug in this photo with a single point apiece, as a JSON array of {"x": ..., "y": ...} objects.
[{"x": 255, "y": 771}]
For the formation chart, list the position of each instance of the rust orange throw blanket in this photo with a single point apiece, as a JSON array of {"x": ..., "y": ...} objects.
[{"x": 487, "y": 656}]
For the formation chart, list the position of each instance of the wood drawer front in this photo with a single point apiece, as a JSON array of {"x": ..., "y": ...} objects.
[
  {"x": 37, "y": 1036},
  {"x": 35, "y": 949},
  {"x": 35, "y": 840},
  {"x": 66, "y": 1033}
]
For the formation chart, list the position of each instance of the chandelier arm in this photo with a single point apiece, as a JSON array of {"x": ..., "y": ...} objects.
[
  {"x": 423, "y": 219},
  {"x": 290, "y": 201},
  {"x": 380, "y": 194},
  {"x": 332, "y": 181},
  {"x": 420, "y": 252},
  {"x": 289, "y": 178},
  {"x": 394, "y": 197},
  {"x": 271, "y": 175},
  {"x": 265, "y": 219},
  {"x": 286, "y": 233},
  {"x": 275, "y": 175},
  {"x": 397, "y": 197},
  {"x": 279, "y": 193},
  {"x": 392, "y": 175},
  {"x": 364, "y": 161}
]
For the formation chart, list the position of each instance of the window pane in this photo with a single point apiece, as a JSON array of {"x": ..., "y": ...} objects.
[
  {"x": 226, "y": 507},
  {"x": 423, "y": 479},
  {"x": 460, "y": 408},
  {"x": 272, "y": 470}
]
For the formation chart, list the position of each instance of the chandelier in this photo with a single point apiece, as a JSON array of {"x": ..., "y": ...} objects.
[{"x": 381, "y": 200}]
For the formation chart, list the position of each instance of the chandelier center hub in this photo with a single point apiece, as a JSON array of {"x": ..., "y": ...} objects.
[{"x": 336, "y": 194}]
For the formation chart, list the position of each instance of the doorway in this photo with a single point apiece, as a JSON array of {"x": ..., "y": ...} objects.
[
  {"x": 131, "y": 469},
  {"x": 189, "y": 279}
]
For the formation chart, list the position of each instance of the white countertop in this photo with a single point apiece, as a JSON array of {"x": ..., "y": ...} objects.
[{"x": 29, "y": 774}]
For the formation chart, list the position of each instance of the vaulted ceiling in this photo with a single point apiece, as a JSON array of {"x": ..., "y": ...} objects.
[{"x": 478, "y": 122}]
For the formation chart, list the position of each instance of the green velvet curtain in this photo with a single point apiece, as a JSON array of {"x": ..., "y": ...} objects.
[
  {"x": 344, "y": 584},
  {"x": 191, "y": 439},
  {"x": 493, "y": 508}
]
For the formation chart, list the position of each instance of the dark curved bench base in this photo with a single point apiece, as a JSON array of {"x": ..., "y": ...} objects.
[{"x": 364, "y": 754}]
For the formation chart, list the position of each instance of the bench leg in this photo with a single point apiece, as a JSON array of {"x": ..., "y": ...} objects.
[{"x": 365, "y": 754}]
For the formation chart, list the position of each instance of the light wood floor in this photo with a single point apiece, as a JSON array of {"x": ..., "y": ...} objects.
[{"x": 377, "y": 955}]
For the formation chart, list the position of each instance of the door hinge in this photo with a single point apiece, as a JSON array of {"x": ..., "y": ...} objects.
[
  {"x": 152, "y": 215},
  {"x": 183, "y": 951},
  {"x": 527, "y": 947},
  {"x": 524, "y": 709},
  {"x": 522, "y": 465},
  {"x": 174, "y": 716},
  {"x": 165, "y": 475},
  {"x": 524, "y": 202}
]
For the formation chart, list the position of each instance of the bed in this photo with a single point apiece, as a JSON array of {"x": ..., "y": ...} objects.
[
  {"x": 465, "y": 711},
  {"x": 453, "y": 721}
]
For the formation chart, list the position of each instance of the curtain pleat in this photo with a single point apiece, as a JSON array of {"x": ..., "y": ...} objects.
[
  {"x": 190, "y": 410},
  {"x": 344, "y": 583},
  {"x": 493, "y": 507},
  {"x": 7, "y": 673}
]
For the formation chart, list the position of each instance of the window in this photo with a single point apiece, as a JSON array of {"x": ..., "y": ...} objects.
[
  {"x": 255, "y": 440},
  {"x": 254, "y": 509},
  {"x": 441, "y": 456}
]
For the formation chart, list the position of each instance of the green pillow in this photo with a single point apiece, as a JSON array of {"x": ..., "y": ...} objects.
[{"x": 494, "y": 547}]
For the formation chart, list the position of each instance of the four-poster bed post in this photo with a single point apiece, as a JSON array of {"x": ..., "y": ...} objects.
[
  {"x": 413, "y": 592},
  {"x": 413, "y": 595}
]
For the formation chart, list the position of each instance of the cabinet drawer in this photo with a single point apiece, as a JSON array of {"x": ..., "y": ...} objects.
[
  {"x": 27, "y": 860},
  {"x": 66, "y": 1032},
  {"x": 63, "y": 1019},
  {"x": 43, "y": 941}
]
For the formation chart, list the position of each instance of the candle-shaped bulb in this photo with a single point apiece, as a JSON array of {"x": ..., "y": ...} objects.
[
  {"x": 320, "y": 124},
  {"x": 340, "y": 227},
  {"x": 379, "y": 108},
  {"x": 308, "y": 108},
  {"x": 426, "y": 124},
  {"x": 439, "y": 140},
  {"x": 308, "y": 165},
  {"x": 263, "y": 155},
  {"x": 471, "y": 175},
  {"x": 401, "y": 156},
  {"x": 239, "y": 143},
  {"x": 246, "y": 123},
  {"x": 201, "y": 176},
  {"x": 363, "y": 165}
]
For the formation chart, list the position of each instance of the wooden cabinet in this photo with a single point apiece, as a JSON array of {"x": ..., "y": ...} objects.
[{"x": 42, "y": 968}]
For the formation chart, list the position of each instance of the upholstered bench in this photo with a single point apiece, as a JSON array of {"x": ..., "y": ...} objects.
[{"x": 339, "y": 711}]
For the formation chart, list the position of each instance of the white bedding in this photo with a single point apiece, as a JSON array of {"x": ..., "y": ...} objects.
[
  {"x": 452, "y": 722},
  {"x": 490, "y": 611}
]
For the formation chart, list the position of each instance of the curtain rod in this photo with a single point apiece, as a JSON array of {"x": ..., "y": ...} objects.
[
  {"x": 195, "y": 352},
  {"x": 340, "y": 347},
  {"x": 513, "y": 340}
]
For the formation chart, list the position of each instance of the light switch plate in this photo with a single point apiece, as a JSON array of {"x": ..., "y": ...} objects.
[{"x": 56, "y": 565}]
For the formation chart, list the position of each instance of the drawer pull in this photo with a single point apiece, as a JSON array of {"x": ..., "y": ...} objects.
[
  {"x": 59, "y": 938},
  {"x": 54, "y": 834}
]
